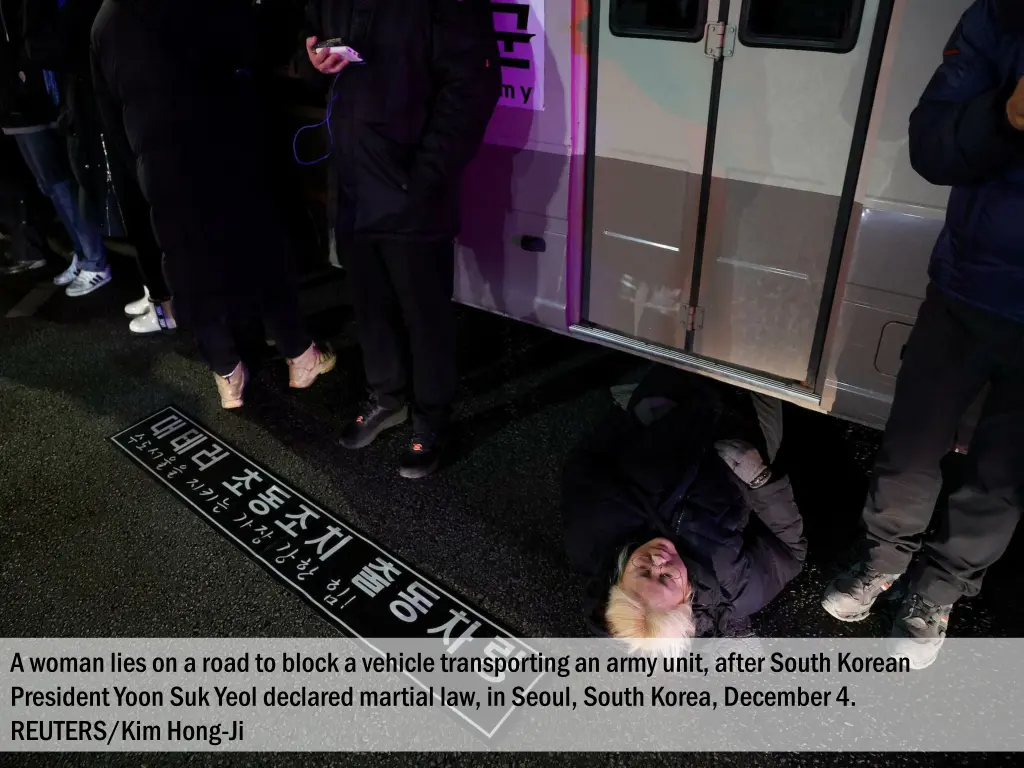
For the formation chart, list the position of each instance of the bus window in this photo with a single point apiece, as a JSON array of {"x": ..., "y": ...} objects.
[
  {"x": 822, "y": 25},
  {"x": 661, "y": 19}
]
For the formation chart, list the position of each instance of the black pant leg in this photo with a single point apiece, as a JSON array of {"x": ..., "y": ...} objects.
[
  {"x": 423, "y": 275},
  {"x": 945, "y": 367},
  {"x": 975, "y": 528},
  {"x": 215, "y": 340},
  {"x": 135, "y": 210},
  {"x": 378, "y": 324},
  {"x": 138, "y": 226},
  {"x": 282, "y": 315}
]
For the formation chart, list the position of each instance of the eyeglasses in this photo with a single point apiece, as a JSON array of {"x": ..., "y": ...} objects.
[{"x": 646, "y": 563}]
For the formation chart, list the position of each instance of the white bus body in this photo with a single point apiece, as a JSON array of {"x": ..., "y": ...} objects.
[{"x": 725, "y": 187}]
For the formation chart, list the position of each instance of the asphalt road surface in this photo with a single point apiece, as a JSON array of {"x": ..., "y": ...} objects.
[{"x": 93, "y": 547}]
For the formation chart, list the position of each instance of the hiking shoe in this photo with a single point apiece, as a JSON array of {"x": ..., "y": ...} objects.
[
  {"x": 370, "y": 422},
  {"x": 423, "y": 456},
  {"x": 86, "y": 282},
  {"x": 69, "y": 274},
  {"x": 919, "y": 631},
  {"x": 155, "y": 320},
  {"x": 314, "y": 362},
  {"x": 139, "y": 307},
  {"x": 850, "y": 596},
  {"x": 232, "y": 387}
]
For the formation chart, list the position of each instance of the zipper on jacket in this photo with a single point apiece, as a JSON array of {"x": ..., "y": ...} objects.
[{"x": 3, "y": 22}]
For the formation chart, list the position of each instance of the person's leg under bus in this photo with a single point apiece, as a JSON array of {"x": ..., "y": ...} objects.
[
  {"x": 380, "y": 332},
  {"x": 423, "y": 275},
  {"x": 945, "y": 366},
  {"x": 975, "y": 528}
]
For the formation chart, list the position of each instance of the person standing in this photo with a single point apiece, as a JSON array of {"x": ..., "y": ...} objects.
[
  {"x": 405, "y": 124},
  {"x": 153, "y": 312},
  {"x": 30, "y": 105},
  {"x": 57, "y": 39},
  {"x": 181, "y": 73},
  {"x": 968, "y": 133}
]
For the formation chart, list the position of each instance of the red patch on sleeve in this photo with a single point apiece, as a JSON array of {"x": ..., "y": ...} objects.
[{"x": 951, "y": 52}]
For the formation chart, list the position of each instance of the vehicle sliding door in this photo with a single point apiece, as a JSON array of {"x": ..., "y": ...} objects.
[
  {"x": 789, "y": 103},
  {"x": 649, "y": 129}
]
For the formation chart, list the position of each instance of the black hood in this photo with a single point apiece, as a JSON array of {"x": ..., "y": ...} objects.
[{"x": 1011, "y": 16}]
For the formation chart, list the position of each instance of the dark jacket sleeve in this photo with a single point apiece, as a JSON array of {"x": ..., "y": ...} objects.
[
  {"x": 774, "y": 548},
  {"x": 959, "y": 132},
  {"x": 467, "y": 77},
  {"x": 311, "y": 27},
  {"x": 757, "y": 546}
]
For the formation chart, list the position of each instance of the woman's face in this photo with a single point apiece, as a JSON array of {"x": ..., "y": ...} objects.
[{"x": 656, "y": 574}]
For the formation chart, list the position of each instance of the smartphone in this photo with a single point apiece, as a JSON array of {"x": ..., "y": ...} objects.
[{"x": 336, "y": 46}]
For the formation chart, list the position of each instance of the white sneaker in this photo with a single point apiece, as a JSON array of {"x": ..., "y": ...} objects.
[
  {"x": 139, "y": 307},
  {"x": 69, "y": 274},
  {"x": 150, "y": 322},
  {"x": 87, "y": 282}
]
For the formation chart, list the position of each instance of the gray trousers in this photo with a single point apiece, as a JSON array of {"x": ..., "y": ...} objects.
[{"x": 953, "y": 352}]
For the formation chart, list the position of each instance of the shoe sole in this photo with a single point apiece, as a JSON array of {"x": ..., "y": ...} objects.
[
  {"x": 394, "y": 421},
  {"x": 325, "y": 368},
  {"x": 849, "y": 618},
  {"x": 86, "y": 293},
  {"x": 419, "y": 474},
  {"x": 157, "y": 332}
]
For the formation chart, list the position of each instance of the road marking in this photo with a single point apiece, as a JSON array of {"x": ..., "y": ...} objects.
[
  {"x": 217, "y": 481},
  {"x": 33, "y": 300}
]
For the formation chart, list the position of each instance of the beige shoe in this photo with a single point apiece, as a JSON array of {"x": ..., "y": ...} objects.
[
  {"x": 232, "y": 387},
  {"x": 303, "y": 370}
]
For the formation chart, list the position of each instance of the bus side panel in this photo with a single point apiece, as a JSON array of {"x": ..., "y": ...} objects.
[
  {"x": 512, "y": 250},
  {"x": 897, "y": 220}
]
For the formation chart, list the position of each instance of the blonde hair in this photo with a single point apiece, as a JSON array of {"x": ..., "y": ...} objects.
[{"x": 647, "y": 630}]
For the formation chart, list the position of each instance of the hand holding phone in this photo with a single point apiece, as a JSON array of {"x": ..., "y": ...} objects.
[{"x": 330, "y": 56}]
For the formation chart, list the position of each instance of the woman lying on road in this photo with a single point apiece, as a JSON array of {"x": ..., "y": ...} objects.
[{"x": 674, "y": 513}]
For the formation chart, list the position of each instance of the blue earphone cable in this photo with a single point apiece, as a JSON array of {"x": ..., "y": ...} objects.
[{"x": 326, "y": 121}]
